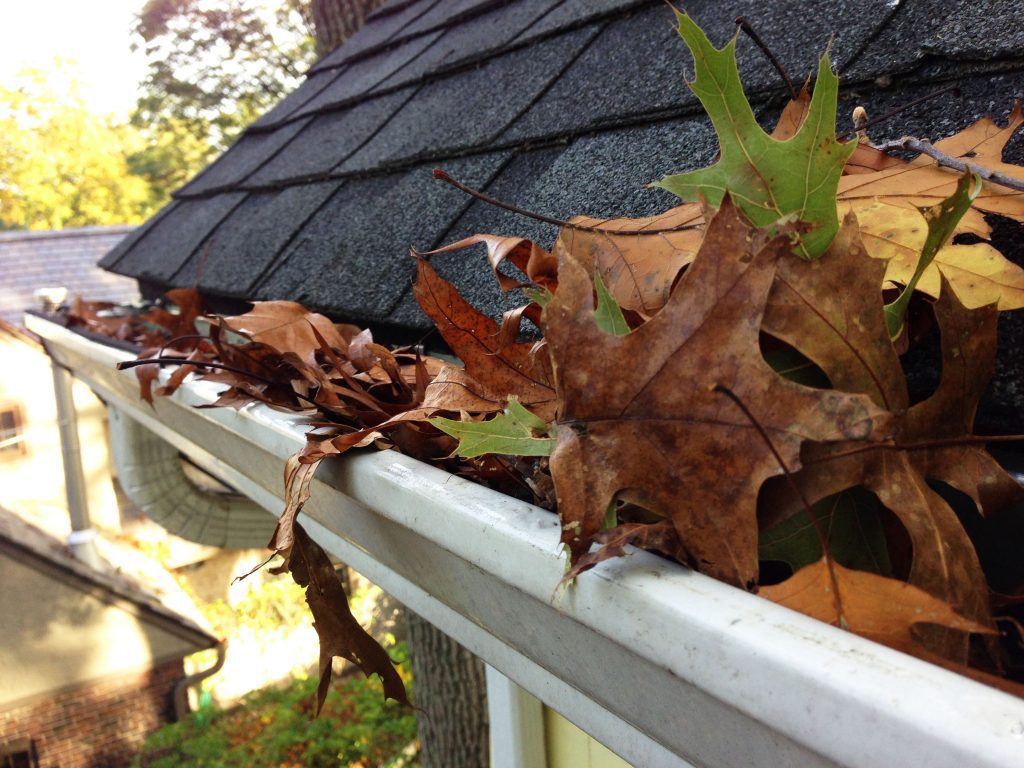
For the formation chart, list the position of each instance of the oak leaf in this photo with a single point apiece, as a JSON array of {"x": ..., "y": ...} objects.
[
  {"x": 287, "y": 326},
  {"x": 539, "y": 266},
  {"x": 516, "y": 432},
  {"x": 500, "y": 370},
  {"x": 337, "y": 629},
  {"x": 639, "y": 259},
  {"x": 832, "y": 313},
  {"x": 640, "y": 413},
  {"x": 770, "y": 179},
  {"x": 886, "y": 202},
  {"x": 882, "y": 609},
  {"x": 653, "y": 537}
]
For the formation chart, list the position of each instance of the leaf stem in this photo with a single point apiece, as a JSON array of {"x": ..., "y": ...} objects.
[
  {"x": 822, "y": 538},
  {"x": 745, "y": 25}
]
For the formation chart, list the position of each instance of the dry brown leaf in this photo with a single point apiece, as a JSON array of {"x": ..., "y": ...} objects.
[
  {"x": 831, "y": 311},
  {"x": 640, "y": 412},
  {"x": 793, "y": 115},
  {"x": 639, "y": 259},
  {"x": 287, "y": 327},
  {"x": 336, "y": 627},
  {"x": 881, "y": 609},
  {"x": 500, "y": 371},
  {"x": 539, "y": 266},
  {"x": 654, "y": 537}
]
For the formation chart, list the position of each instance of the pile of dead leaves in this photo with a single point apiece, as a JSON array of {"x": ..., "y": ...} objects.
[{"x": 720, "y": 384}]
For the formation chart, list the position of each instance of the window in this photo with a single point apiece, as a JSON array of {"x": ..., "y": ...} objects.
[
  {"x": 20, "y": 753},
  {"x": 12, "y": 431}
]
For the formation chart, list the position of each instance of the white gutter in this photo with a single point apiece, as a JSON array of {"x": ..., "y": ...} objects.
[{"x": 664, "y": 666}]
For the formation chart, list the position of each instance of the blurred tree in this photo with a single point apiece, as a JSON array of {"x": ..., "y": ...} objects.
[
  {"x": 214, "y": 66},
  {"x": 217, "y": 65},
  {"x": 334, "y": 21},
  {"x": 60, "y": 165}
]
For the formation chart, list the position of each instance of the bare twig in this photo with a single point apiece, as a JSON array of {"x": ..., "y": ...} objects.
[
  {"x": 449, "y": 179},
  {"x": 743, "y": 24},
  {"x": 920, "y": 445},
  {"x": 925, "y": 147},
  {"x": 162, "y": 360}
]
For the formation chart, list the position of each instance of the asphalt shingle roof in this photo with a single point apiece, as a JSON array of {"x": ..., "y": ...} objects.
[{"x": 560, "y": 106}]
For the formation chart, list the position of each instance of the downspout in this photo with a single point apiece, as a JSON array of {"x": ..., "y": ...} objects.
[
  {"x": 150, "y": 473},
  {"x": 82, "y": 539},
  {"x": 181, "y": 705}
]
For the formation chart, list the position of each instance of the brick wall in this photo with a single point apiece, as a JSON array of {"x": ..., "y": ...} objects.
[{"x": 101, "y": 724}]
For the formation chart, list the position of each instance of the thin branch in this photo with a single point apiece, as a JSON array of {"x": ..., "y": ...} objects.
[
  {"x": 921, "y": 445},
  {"x": 893, "y": 112},
  {"x": 125, "y": 365},
  {"x": 822, "y": 538},
  {"x": 743, "y": 24},
  {"x": 448, "y": 179},
  {"x": 925, "y": 147}
]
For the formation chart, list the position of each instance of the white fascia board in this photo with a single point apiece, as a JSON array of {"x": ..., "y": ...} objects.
[{"x": 663, "y": 665}]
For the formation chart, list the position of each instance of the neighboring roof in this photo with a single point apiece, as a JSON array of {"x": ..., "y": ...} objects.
[
  {"x": 37, "y": 549},
  {"x": 559, "y": 106},
  {"x": 58, "y": 259}
]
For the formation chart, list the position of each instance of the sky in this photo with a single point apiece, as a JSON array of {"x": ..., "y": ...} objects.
[{"x": 92, "y": 35}]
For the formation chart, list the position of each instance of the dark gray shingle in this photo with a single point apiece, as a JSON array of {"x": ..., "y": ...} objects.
[
  {"x": 471, "y": 109},
  {"x": 359, "y": 241},
  {"x": 245, "y": 156},
  {"x": 247, "y": 241},
  {"x": 330, "y": 139},
  {"x": 172, "y": 240}
]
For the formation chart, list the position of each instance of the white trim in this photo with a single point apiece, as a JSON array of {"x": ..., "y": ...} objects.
[
  {"x": 661, "y": 664},
  {"x": 517, "y": 724}
]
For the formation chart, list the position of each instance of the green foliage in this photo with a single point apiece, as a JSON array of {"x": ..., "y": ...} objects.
[
  {"x": 214, "y": 67},
  {"x": 516, "y": 432},
  {"x": 608, "y": 314},
  {"x": 770, "y": 179},
  {"x": 942, "y": 219},
  {"x": 61, "y": 165},
  {"x": 277, "y": 602},
  {"x": 275, "y": 727}
]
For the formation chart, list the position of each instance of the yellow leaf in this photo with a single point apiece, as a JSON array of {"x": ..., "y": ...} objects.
[
  {"x": 886, "y": 203},
  {"x": 978, "y": 273}
]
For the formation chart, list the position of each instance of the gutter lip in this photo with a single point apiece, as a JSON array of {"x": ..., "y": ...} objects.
[{"x": 831, "y": 697}]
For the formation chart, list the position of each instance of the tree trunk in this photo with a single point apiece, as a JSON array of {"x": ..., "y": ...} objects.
[
  {"x": 449, "y": 687},
  {"x": 334, "y": 21}
]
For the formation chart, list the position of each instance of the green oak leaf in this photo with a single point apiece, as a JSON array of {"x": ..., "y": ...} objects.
[
  {"x": 942, "y": 219},
  {"x": 769, "y": 179},
  {"x": 514, "y": 432}
]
